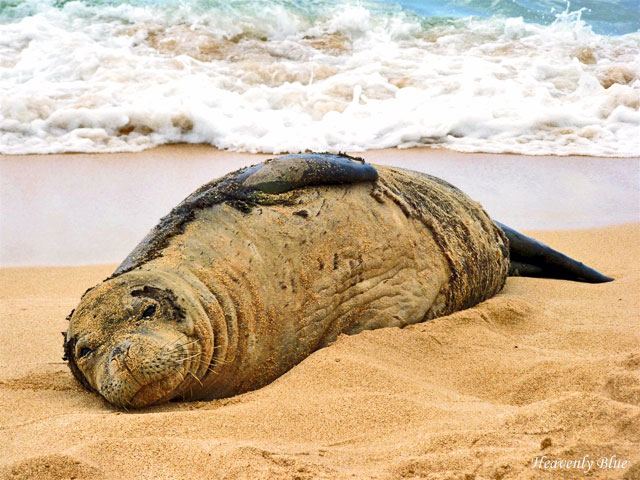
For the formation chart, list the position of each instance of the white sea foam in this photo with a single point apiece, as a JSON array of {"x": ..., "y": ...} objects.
[{"x": 125, "y": 78}]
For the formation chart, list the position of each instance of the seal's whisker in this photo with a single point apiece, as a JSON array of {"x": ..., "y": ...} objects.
[
  {"x": 193, "y": 342},
  {"x": 182, "y": 345},
  {"x": 220, "y": 362},
  {"x": 197, "y": 379},
  {"x": 217, "y": 363},
  {"x": 175, "y": 340},
  {"x": 189, "y": 357},
  {"x": 179, "y": 373}
]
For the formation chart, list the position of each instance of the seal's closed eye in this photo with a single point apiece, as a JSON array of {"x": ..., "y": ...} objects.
[
  {"x": 84, "y": 351},
  {"x": 150, "y": 311}
]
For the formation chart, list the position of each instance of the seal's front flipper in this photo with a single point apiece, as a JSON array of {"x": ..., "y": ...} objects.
[
  {"x": 531, "y": 258},
  {"x": 289, "y": 172}
]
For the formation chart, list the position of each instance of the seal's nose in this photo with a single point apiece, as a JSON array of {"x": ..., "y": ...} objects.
[{"x": 120, "y": 350}]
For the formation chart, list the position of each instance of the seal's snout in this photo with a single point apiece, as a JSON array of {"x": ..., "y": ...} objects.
[
  {"x": 117, "y": 361},
  {"x": 120, "y": 350},
  {"x": 146, "y": 368}
]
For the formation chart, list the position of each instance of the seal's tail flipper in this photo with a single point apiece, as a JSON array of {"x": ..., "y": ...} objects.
[{"x": 530, "y": 258}]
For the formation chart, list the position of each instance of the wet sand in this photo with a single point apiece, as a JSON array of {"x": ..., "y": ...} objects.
[
  {"x": 84, "y": 208},
  {"x": 548, "y": 370}
]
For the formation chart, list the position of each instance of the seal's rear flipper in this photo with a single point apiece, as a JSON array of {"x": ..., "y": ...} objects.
[{"x": 531, "y": 258}]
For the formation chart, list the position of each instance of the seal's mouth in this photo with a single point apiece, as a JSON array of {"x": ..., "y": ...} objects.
[
  {"x": 143, "y": 373},
  {"x": 157, "y": 391}
]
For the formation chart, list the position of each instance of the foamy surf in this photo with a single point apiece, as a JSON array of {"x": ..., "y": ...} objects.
[{"x": 288, "y": 76}]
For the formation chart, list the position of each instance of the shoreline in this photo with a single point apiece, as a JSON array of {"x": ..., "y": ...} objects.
[
  {"x": 437, "y": 148},
  {"x": 78, "y": 209}
]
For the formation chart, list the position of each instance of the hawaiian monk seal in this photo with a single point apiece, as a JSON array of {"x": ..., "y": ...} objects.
[{"x": 253, "y": 272}]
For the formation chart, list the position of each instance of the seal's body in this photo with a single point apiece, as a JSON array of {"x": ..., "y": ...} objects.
[{"x": 254, "y": 272}]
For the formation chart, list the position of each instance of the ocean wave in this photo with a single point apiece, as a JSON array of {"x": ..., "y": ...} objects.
[{"x": 288, "y": 76}]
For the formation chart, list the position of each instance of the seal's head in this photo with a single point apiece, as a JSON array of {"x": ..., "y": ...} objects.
[{"x": 138, "y": 339}]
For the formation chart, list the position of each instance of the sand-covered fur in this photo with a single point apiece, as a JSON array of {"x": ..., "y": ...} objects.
[{"x": 267, "y": 284}]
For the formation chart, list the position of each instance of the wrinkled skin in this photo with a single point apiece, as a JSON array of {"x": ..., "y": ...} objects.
[{"x": 235, "y": 297}]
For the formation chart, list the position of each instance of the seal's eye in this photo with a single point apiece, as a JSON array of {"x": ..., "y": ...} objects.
[
  {"x": 84, "y": 351},
  {"x": 149, "y": 311}
]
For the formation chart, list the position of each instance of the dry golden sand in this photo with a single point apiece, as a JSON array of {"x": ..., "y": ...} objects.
[{"x": 547, "y": 368}]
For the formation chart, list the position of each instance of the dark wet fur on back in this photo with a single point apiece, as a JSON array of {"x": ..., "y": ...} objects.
[
  {"x": 226, "y": 189},
  {"x": 320, "y": 169}
]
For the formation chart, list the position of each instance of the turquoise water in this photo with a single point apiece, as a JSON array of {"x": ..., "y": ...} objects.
[
  {"x": 544, "y": 77},
  {"x": 607, "y": 17}
]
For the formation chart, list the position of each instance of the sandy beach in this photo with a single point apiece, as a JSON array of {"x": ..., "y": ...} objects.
[{"x": 534, "y": 383}]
